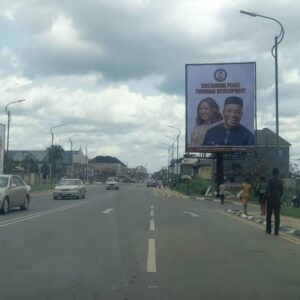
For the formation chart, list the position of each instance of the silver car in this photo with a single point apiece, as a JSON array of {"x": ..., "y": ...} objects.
[
  {"x": 14, "y": 192},
  {"x": 112, "y": 183},
  {"x": 69, "y": 188}
]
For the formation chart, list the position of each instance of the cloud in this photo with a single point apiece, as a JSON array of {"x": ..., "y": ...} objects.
[
  {"x": 114, "y": 119},
  {"x": 114, "y": 70}
]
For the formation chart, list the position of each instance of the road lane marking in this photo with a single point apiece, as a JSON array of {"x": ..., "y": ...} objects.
[
  {"x": 151, "y": 213},
  {"x": 191, "y": 214},
  {"x": 151, "y": 261},
  {"x": 152, "y": 225},
  {"x": 42, "y": 212},
  {"x": 38, "y": 215},
  {"x": 152, "y": 206},
  {"x": 262, "y": 228},
  {"x": 107, "y": 211}
]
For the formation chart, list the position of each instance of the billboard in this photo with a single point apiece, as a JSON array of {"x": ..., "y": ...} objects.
[
  {"x": 2, "y": 145},
  {"x": 220, "y": 107}
]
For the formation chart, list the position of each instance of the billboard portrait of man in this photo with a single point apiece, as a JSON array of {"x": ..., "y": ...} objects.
[
  {"x": 231, "y": 131},
  {"x": 220, "y": 107}
]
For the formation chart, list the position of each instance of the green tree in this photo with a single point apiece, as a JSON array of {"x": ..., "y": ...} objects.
[
  {"x": 30, "y": 164},
  {"x": 55, "y": 154},
  {"x": 8, "y": 164}
]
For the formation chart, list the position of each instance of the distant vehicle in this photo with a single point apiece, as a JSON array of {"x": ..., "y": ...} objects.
[
  {"x": 69, "y": 188},
  {"x": 14, "y": 192},
  {"x": 131, "y": 180},
  {"x": 112, "y": 183},
  {"x": 151, "y": 183}
]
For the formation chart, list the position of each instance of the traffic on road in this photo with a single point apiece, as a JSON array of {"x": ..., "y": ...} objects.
[{"x": 141, "y": 243}]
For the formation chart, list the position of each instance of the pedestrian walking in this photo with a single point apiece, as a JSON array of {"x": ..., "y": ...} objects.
[
  {"x": 222, "y": 192},
  {"x": 246, "y": 188},
  {"x": 261, "y": 188},
  {"x": 273, "y": 194}
]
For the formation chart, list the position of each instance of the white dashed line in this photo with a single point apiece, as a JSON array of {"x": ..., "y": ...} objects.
[
  {"x": 152, "y": 225},
  {"x": 38, "y": 215},
  {"x": 107, "y": 211},
  {"x": 151, "y": 261},
  {"x": 191, "y": 214}
]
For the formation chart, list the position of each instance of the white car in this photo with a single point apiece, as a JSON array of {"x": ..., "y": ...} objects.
[
  {"x": 14, "y": 192},
  {"x": 69, "y": 188},
  {"x": 112, "y": 183}
]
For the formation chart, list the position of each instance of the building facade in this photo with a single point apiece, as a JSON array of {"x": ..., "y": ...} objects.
[{"x": 105, "y": 166}]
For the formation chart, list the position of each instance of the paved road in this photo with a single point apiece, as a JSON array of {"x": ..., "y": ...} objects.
[{"x": 136, "y": 244}]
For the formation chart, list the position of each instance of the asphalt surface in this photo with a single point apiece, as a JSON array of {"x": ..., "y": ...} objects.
[{"x": 136, "y": 243}]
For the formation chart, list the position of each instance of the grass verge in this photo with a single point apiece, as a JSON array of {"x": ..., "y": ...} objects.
[
  {"x": 196, "y": 186},
  {"x": 290, "y": 212},
  {"x": 41, "y": 187}
]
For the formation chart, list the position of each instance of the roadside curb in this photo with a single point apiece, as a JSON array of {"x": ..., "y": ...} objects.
[
  {"x": 262, "y": 221},
  {"x": 258, "y": 220}
]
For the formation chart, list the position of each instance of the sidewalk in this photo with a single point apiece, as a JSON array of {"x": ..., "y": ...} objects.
[{"x": 288, "y": 224}]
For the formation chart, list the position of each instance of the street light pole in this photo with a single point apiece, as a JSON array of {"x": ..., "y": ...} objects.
[
  {"x": 52, "y": 133},
  {"x": 71, "y": 144},
  {"x": 172, "y": 169},
  {"x": 87, "y": 160},
  {"x": 173, "y": 139},
  {"x": 274, "y": 51},
  {"x": 177, "y": 163},
  {"x": 169, "y": 149},
  {"x": 8, "y": 121}
]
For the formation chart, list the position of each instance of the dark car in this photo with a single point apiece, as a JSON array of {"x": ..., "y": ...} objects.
[{"x": 151, "y": 183}]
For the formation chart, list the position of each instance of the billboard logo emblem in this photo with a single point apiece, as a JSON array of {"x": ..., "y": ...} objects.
[{"x": 220, "y": 75}]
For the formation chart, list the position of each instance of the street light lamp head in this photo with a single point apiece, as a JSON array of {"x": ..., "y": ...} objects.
[
  {"x": 8, "y": 120},
  {"x": 179, "y": 131},
  {"x": 17, "y": 101},
  {"x": 278, "y": 39},
  {"x": 56, "y": 127},
  {"x": 252, "y": 14},
  {"x": 74, "y": 135}
]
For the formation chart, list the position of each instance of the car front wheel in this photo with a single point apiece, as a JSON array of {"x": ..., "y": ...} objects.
[
  {"x": 5, "y": 206},
  {"x": 26, "y": 203}
]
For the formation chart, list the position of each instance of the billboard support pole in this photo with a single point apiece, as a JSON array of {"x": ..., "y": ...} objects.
[{"x": 219, "y": 175}]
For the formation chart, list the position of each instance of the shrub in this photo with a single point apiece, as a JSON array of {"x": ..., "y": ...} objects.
[{"x": 195, "y": 186}]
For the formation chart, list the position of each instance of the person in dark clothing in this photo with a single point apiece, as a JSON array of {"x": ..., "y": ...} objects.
[
  {"x": 230, "y": 132},
  {"x": 273, "y": 195},
  {"x": 295, "y": 201}
]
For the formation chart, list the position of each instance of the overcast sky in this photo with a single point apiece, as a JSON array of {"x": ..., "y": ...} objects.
[{"x": 114, "y": 71}]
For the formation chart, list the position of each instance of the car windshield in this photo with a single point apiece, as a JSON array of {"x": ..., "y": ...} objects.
[
  {"x": 3, "y": 182},
  {"x": 111, "y": 179},
  {"x": 68, "y": 182}
]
